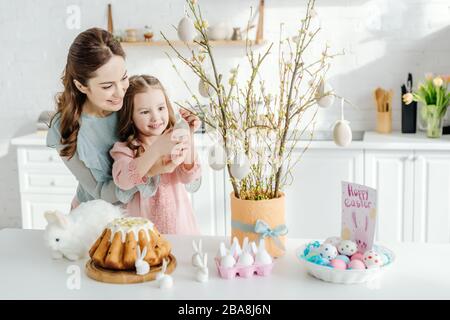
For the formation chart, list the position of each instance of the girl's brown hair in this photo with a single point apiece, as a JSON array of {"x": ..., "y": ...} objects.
[
  {"x": 89, "y": 51},
  {"x": 126, "y": 130}
]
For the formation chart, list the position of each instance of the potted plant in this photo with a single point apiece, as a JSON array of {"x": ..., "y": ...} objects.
[
  {"x": 254, "y": 128},
  {"x": 435, "y": 99}
]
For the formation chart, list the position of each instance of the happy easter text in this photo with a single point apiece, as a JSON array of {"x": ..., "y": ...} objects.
[{"x": 357, "y": 198}]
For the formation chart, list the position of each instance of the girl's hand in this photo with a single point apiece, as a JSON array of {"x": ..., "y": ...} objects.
[
  {"x": 164, "y": 144},
  {"x": 193, "y": 121}
]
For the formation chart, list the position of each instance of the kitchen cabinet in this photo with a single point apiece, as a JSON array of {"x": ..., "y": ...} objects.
[
  {"x": 410, "y": 172},
  {"x": 45, "y": 184},
  {"x": 413, "y": 192}
]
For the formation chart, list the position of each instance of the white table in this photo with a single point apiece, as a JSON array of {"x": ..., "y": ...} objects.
[{"x": 28, "y": 272}]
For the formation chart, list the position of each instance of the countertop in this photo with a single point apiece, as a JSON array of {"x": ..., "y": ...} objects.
[
  {"x": 371, "y": 140},
  {"x": 27, "y": 272}
]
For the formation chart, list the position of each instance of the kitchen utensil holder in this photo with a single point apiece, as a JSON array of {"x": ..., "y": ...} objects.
[
  {"x": 409, "y": 117},
  {"x": 384, "y": 122}
]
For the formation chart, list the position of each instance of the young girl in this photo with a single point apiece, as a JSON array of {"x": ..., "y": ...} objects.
[{"x": 147, "y": 148}]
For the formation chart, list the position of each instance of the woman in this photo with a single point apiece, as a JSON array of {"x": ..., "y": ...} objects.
[{"x": 84, "y": 127}]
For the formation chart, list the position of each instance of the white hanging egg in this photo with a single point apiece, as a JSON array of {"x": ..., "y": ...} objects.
[
  {"x": 217, "y": 157},
  {"x": 186, "y": 29},
  {"x": 325, "y": 96},
  {"x": 342, "y": 133},
  {"x": 204, "y": 89},
  {"x": 240, "y": 167}
]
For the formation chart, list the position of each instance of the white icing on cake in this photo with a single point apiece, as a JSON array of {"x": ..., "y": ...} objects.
[{"x": 130, "y": 224}]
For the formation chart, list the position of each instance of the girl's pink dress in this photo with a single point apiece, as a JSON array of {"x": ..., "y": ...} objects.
[{"x": 170, "y": 208}]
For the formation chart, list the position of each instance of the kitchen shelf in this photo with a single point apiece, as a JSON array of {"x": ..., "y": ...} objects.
[{"x": 177, "y": 43}]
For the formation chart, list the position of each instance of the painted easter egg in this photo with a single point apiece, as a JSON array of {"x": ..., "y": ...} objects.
[
  {"x": 357, "y": 256},
  {"x": 328, "y": 251},
  {"x": 356, "y": 265},
  {"x": 347, "y": 247},
  {"x": 343, "y": 258},
  {"x": 372, "y": 259},
  {"x": 338, "y": 264}
]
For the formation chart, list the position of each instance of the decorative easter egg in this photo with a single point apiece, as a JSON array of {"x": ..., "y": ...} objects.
[
  {"x": 217, "y": 157},
  {"x": 325, "y": 95},
  {"x": 384, "y": 258},
  {"x": 338, "y": 264},
  {"x": 186, "y": 29},
  {"x": 240, "y": 167},
  {"x": 342, "y": 133},
  {"x": 245, "y": 259},
  {"x": 328, "y": 251},
  {"x": 311, "y": 249},
  {"x": 333, "y": 240},
  {"x": 227, "y": 261},
  {"x": 319, "y": 260},
  {"x": 347, "y": 247},
  {"x": 372, "y": 259},
  {"x": 204, "y": 89},
  {"x": 356, "y": 265},
  {"x": 357, "y": 256},
  {"x": 343, "y": 258}
]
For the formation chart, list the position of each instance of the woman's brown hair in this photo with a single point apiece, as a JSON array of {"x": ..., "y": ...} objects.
[
  {"x": 89, "y": 51},
  {"x": 126, "y": 129}
]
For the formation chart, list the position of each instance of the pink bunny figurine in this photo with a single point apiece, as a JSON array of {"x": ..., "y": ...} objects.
[{"x": 360, "y": 233}]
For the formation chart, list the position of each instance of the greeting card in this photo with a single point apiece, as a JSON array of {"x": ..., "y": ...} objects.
[{"x": 359, "y": 214}]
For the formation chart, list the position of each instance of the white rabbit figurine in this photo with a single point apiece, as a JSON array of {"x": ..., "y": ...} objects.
[
  {"x": 202, "y": 270},
  {"x": 72, "y": 235},
  {"x": 245, "y": 258},
  {"x": 165, "y": 281},
  {"x": 236, "y": 248},
  {"x": 261, "y": 254},
  {"x": 197, "y": 256},
  {"x": 226, "y": 258},
  {"x": 142, "y": 266}
]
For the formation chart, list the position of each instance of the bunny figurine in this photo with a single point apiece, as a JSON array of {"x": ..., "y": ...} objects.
[
  {"x": 261, "y": 254},
  {"x": 197, "y": 256},
  {"x": 72, "y": 235},
  {"x": 235, "y": 248},
  {"x": 245, "y": 258},
  {"x": 360, "y": 233},
  {"x": 165, "y": 281},
  {"x": 226, "y": 258},
  {"x": 142, "y": 266},
  {"x": 202, "y": 271}
]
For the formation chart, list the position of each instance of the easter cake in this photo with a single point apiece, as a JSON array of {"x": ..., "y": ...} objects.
[{"x": 116, "y": 247}]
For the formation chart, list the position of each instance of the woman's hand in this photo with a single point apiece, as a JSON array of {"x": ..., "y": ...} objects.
[{"x": 193, "y": 121}]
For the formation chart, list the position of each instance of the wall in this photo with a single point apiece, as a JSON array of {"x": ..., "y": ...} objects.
[{"x": 383, "y": 41}]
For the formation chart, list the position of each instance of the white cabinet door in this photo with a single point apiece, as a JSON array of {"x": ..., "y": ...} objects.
[
  {"x": 34, "y": 206},
  {"x": 313, "y": 200},
  {"x": 392, "y": 174},
  {"x": 208, "y": 201},
  {"x": 432, "y": 196}
]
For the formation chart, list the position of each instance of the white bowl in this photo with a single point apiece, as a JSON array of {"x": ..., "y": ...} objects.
[{"x": 344, "y": 276}]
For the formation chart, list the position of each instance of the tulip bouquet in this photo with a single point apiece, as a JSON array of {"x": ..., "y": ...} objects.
[{"x": 434, "y": 96}]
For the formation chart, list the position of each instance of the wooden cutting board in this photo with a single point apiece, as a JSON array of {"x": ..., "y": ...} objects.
[{"x": 114, "y": 276}]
